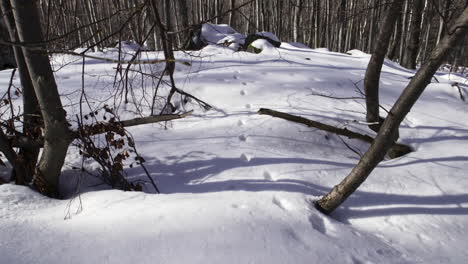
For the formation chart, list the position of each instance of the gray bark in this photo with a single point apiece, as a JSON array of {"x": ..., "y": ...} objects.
[
  {"x": 374, "y": 68},
  {"x": 412, "y": 48},
  {"x": 56, "y": 133},
  {"x": 27, "y": 157},
  {"x": 403, "y": 105}
]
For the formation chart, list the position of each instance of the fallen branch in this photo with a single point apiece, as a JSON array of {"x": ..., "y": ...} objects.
[
  {"x": 396, "y": 151},
  {"x": 100, "y": 128},
  {"x": 153, "y": 119}
]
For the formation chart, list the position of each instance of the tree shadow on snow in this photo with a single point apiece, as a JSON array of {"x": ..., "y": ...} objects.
[{"x": 192, "y": 176}]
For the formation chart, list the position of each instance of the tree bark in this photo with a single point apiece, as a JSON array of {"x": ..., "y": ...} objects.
[
  {"x": 374, "y": 68},
  {"x": 396, "y": 151},
  {"x": 56, "y": 133},
  {"x": 396, "y": 115},
  {"x": 412, "y": 48},
  {"x": 27, "y": 157}
]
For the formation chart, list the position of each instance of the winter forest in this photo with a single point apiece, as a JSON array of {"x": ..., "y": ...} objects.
[{"x": 233, "y": 131}]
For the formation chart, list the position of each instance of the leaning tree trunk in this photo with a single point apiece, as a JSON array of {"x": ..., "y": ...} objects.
[
  {"x": 403, "y": 105},
  {"x": 27, "y": 157},
  {"x": 56, "y": 133},
  {"x": 371, "y": 80}
]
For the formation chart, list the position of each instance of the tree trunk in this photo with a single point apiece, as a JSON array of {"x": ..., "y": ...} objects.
[
  {"x": 27, "y": 157},
  {"x": 412, "y": 48},
  {"x": 396, "y": 115},
  {"x": 372, "y": 77},
  {"x": 296, "y": 20},
  {"x": 56, "y": 134}
]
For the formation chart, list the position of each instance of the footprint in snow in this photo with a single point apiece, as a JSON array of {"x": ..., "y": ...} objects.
[
  {"x": 268, "y": 176},
  {"x": 239, "y": 206},
  {"x": 243, "y": 138},
  {"x": 246, "y": 157},
  {"x": 283, "y": 203},
  {"x": 235, "y": 77},
  {"x": 244, "y": 83},
  {"x": 322, "y": 224},
  {"x": 243, "y": 92}
]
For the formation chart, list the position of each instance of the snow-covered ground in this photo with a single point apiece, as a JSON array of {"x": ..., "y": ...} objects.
[{"x": 238, "y": 187}]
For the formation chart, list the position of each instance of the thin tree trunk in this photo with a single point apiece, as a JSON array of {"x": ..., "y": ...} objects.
[
  {"x": 372, "y": 77},
  {"x": 56, "y": 135},
  {"x": 403, "y": 105},
  {"x": 27, "y": 157},
  {"x": 412, "y": 49}
]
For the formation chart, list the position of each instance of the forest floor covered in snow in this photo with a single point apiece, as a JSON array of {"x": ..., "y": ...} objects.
[{"x": 238, "y": 187}]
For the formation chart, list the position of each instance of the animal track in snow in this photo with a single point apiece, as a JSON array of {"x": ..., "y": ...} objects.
[
  {"x": 240, "y": 123},
  {"x": 267, "y": 176},
  {"x": 317, "y": 223},
  {"x": 243, "y": 138},
  {"x": 283, "y": 203},
  {"x": 246, "y": 157},
  {"x": 243, "y": 92},
  {"x": 322, "y": 224},
  {"x": 244, "y": 83},
  {"x": 235, "y": 77},
  {"x": 248, "y": 106},
  {"x": 239, "y": 206}
]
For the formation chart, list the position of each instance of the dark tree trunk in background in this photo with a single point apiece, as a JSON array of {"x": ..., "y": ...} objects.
[
  {"x": 372, "y": 77},
  {"x": 184, "y": 20},
  {"x": 403, "y": 105},
  {"x": 411, "y": 53},
  {"x": 56, "y": 135}
]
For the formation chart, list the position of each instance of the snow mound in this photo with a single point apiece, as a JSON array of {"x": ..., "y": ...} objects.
[
  {"x": 357, "y": 53},
  {"x": 220, "y": 34},
  {"x": 268, "y": 35},
  {"x": 322, "y": 49},
  {"x": 263, "y": 45},
  {"x": 298, "y": 45}
]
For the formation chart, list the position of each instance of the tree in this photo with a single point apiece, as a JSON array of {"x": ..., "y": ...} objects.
[
  {"x": 372, "y": 77},
  {"x": 56, "y": 133},
  {"x": 41, "y": 93},
  {"x": 27, "y": 157},
  {"x": 411, "y": 54},
  {"x": 401, "y": 108}
]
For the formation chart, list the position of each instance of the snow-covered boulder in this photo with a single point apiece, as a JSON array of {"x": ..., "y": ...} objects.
[
  {"x": 220, "y": 34},
  {"x": 261, "y": 45},
  {"x": 268, "y": 35}
]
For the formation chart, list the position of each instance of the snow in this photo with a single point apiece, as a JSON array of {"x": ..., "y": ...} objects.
[
  {"x": 268, "y": 35},
  {"x": 263, "y": 45},
  {"x": 238, "y": 187},
  {"x": 219, "y": 34}
]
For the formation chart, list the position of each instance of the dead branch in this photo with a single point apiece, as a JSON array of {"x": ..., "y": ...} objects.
[
  {"x": 153, "y": 119},
  {"x": 396, "y": 151},
  {"x": 99, "y": 128}
]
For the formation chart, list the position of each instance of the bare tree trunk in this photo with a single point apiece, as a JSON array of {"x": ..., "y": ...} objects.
[
  {"x": 56, "y": 135},
  {"x": 296, "y": 19},
  {"x": 27, "y": 157},
  {"x": 412, "y": 49},
  {"x": 403, "y": 105},
  {"x": 392, "y": 52},
  {"x": 232, "y": 14},
  {"x": 371, "y": 80}
]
